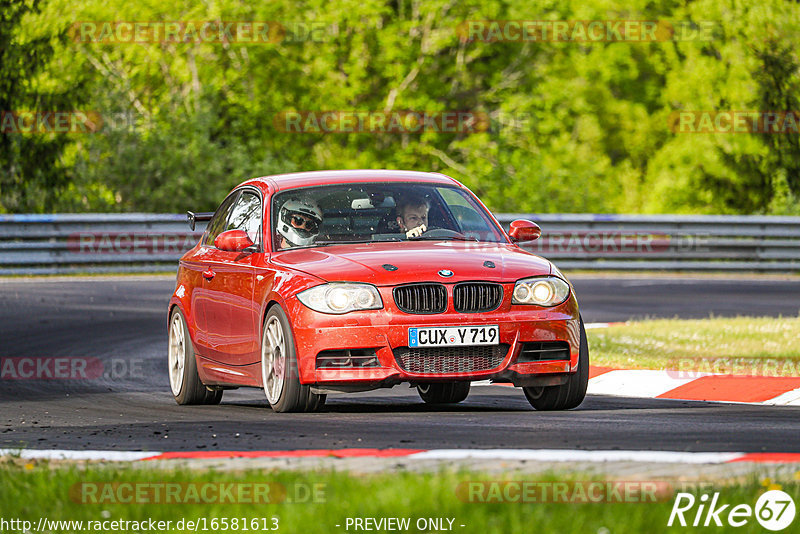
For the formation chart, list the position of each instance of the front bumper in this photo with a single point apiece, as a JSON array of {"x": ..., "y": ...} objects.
[{"x": 386, "y": 330}]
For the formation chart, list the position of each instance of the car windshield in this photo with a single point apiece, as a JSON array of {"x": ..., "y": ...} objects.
[{"x": 378, "y": 212}]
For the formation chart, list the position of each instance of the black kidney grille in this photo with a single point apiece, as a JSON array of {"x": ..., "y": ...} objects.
[
  {"x": 448, "y": 360},
  {"x": 473, "y": 297},
  {"x": 421, "y": 298}
]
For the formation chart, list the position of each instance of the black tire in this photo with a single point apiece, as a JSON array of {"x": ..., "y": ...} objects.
[
  {"x": 291, "y": 396},
  {"x": 565, "y": 396},
  {"x": 213, "y": 396},
  {"x": 447, "y": 393},
  {"x": 185, "y": 383}
]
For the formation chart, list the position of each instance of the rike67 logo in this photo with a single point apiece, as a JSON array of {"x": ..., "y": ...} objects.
[{"x": 774, "y": 510}]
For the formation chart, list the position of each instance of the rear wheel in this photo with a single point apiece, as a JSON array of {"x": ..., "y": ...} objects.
[
  {"x": 183, "y": 378},
  {"x": 279, "y": 370},
  {"x": 569, "y": 395},
  {"x": 448, "y": 393}
]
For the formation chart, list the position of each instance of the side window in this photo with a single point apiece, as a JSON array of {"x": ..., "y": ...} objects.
[
  {"x": 246, "y": 215},
  {"x": 217, "y": 223},
  {"x": 467, "y": 215}
]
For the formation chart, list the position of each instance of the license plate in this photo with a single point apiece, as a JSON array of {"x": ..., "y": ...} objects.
[{"x": 453, "y": 336}]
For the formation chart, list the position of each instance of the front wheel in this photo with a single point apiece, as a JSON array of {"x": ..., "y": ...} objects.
[
  {"x": 183, "y": 378},
  {"x": 569, "y": 395},
  {"x": 279, "y": 370},
  {"x": 450, "y": 393}
]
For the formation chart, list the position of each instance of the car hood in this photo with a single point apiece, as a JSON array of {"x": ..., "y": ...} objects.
[{"x": 415, "y": 262}]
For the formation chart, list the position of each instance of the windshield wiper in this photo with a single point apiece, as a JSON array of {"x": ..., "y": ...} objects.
[
  {"x": 306, "y": 247},
  {"x": 356, "y": 242},
  {"x": 450, "y": 238}
]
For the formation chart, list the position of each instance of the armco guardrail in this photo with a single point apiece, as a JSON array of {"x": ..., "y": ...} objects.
[
  {"x": 96, "y": 243},
  {"x": 139, "y": 242},
  {"x": 667, "y": 242}
]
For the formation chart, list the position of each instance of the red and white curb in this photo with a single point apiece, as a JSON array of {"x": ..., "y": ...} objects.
[
  {"x": 537, "y": 455},
  {"x": 683, "y": 385},
  {"x": 772, "y": 390}
]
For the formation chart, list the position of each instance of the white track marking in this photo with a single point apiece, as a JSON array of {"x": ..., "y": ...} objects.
[
  {"x": 637, "y": 383},
  {"x": 537, "y": 455},
  {"x": 790, "y": 398},
  {"x": 590, "y": 326},
  {"x": 558, "y": 455},
  {"x": 110, "y": 456}
]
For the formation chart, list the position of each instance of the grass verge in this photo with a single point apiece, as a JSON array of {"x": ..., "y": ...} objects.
[
  {"x": 764, "y": 346},
  {"x": 321, "y": 501}
]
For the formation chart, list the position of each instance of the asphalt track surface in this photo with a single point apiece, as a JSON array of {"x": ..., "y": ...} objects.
[{"x": 121, "y": 321}]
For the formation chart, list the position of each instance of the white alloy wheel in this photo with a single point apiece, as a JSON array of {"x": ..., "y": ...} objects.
[
  {"x": 273, "y": 360},
  {"x": 177, "y": 353}
]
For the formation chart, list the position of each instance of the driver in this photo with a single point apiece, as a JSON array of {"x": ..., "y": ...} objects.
[
  {"x": 412, "y": 215},
  {"x": 299, "y": 220}
]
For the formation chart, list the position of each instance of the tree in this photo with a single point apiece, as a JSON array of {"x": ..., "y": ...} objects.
[{"x": 32, "y": 173}]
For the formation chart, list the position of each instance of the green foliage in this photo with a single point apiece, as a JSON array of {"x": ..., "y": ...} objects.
[
  {"x": 322, "y": 500},
  {"x": 575, "y": 126},
  {"x": 32, "y": 174},
  {"x": 163, "y": 169}
]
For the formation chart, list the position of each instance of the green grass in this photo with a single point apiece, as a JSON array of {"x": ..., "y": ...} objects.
[
  {"x": 30, "y": 491},
  {"x": 742, "y": 345}
]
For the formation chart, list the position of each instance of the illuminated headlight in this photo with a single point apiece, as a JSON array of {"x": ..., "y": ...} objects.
[
  {"x": 542, "y": 291},
  {"x": 341, "y": 298}
]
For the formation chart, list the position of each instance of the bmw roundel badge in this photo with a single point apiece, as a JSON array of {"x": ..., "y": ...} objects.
[{"x": 447, "y": 273}]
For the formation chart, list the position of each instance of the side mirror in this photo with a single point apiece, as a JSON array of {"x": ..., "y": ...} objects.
[
  {"x": 522, "y": 230},
  {"x": 233, "y": 241}
]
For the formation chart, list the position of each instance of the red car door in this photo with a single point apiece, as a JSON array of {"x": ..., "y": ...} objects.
[
  {"x": 231, "y": 317},
  {"x": 199, "y": 265}
]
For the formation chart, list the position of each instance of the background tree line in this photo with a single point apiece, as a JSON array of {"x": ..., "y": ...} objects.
[{"x": 577, "y": 126}]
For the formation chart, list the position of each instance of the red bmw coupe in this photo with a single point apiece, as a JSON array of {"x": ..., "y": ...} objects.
[{"x": 341, "y": 281}]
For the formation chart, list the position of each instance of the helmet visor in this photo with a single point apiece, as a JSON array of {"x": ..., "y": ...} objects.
[{"x": 305, "y": 225}]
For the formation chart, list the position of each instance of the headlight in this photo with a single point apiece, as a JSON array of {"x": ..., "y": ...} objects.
[
  {"x": 340, "y": 297},
  {"x": 542, "y": 291}
]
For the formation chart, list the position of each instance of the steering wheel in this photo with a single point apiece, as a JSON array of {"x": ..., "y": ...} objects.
[{"x": 443, "y": 233}]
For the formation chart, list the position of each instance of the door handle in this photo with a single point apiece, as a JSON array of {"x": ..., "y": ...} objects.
[{"x": 209, "y": 274}]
